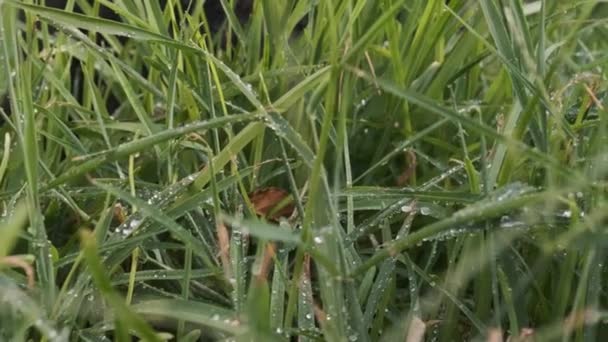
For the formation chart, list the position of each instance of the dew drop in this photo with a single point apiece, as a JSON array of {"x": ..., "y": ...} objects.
[
  {"x": 134, "y": 223},
  {"x": 425, "y": 211},
  {"x": 407, "y": 208}
]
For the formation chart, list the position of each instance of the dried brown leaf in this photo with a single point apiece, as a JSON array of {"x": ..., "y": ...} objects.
[
  {"x": 494, "y": 335},
  {"x": 16, "y": 261},
  {"x": 270, "y": 203},
  {"x": 224, "y": 244},
  {"x": 416, "y": 330},
  {"x": 410, "y": 169}
]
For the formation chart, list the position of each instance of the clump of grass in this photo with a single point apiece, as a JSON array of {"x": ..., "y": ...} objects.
[{"x": 438, "y": 170}]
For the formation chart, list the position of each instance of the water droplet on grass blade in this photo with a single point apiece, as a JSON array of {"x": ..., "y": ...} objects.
[
  {"x": 134, "y": 224},
  {"x": 407, "y": 208},
  {"x": 425, "y": 211}
]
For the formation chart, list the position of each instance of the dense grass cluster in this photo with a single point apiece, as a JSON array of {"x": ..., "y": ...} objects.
[{"x": 440, "y": 169}]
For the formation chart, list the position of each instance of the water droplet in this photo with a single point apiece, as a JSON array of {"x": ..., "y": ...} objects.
[
  {"x": 53, "y": 334},
  {"x": 407, "y": 208},
  {"x": 425, "y": 211},
  {"x": 134, "y": 223}
]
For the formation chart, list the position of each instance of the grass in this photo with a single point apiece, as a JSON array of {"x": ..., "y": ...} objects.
[{"x": 444, "y": 164}]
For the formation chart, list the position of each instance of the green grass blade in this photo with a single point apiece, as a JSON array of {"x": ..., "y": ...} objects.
[{"x": 195, "y": 312}]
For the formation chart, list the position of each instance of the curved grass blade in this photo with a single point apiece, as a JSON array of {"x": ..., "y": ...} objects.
[
  {"x": 180, "y": 232},
  {"x": 148, "y": 275},
  {"x": 99, "y": 274},
  {"x": 284, "y": 130},
  {"x": 92, "y": 23},
  {"x": 476, "y": 212},
  {"x": 139, "y": 145},
  {"x": 381, "y": 193},
  {"x": 195, "y": 312}
]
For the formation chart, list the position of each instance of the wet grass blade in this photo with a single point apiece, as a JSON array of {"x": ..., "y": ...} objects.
[
  {"x": 195, "y": 312},
  {"x": 122, "y": 312},
  {"x": 124, "y": 150},
  {"x": 479, "y": 211}
]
